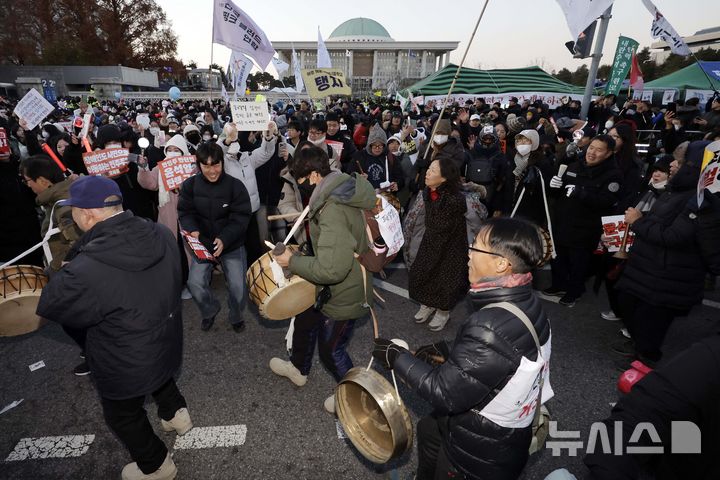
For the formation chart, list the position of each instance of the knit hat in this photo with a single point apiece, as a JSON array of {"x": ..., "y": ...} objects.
[
  {"x": 443, "y": 127},
  {"x": 531, "y": 135},
  {"x": 179, "y": 142},
  {"x": 108, "y": 134},
  {"x": 565, "y": 123},
  {"x": 395, "y": 138},
  {"x": 190, "y": 128},
  {"x": 377, "y": 134},
  {"x": 515, "y": 123}
]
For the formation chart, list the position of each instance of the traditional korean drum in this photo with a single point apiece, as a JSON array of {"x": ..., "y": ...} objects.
[{"x": 20, "y": 289}]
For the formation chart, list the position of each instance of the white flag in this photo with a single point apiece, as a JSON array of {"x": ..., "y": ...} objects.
[
  {"x": 241, "y": 66},
  {"x": 323, "y": 57},
  {"x": 235, "y": 29},
  {"x": 280, "y": 66},
  {"x": 662, "y": 29},
  {"x": 579, "y": 14},
  {"x": 224, "y": 93},
  {"x": 299, "y": 84}
]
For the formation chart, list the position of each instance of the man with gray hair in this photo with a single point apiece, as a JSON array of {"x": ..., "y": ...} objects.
[{"x": 121, "y": 282}]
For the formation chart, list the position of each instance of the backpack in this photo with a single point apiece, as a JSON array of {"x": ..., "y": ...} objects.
[{"x": 480, "y": 170}]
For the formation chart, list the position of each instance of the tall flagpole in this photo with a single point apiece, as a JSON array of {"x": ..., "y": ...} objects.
[
  {"x": 595, "y": 63},
  {"x": 212, "y": 44}
]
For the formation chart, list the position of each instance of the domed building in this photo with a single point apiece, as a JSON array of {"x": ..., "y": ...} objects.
[{"x": 369, "y": 57}]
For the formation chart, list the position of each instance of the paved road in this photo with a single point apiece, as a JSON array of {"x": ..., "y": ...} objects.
[{"x": 226, "y": 381}]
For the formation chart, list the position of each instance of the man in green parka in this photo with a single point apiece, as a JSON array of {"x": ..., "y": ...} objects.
[{"x": 337, "y": 233}]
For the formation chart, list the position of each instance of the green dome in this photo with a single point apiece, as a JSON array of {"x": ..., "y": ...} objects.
[{"x": 360, "y": 29}]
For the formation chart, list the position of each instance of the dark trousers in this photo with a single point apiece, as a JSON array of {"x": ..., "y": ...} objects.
[
  {"x": 433, "y": 463},
  {"x": 79, "y": 335},
  {"x": 646, "y": 323},
  {"x": 332, "y": 337},
  {"x": 253, "y": 246},
  {"x": 570, "y": 268},
  {"x": 127, "y": 418}
]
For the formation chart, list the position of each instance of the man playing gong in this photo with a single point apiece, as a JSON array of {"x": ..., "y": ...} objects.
[{"x": 337, "y": 232}]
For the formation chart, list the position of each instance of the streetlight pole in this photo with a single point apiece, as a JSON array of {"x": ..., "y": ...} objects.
[{"x": 596, "y": 56}]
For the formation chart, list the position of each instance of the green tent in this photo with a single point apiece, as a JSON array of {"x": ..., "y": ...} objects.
[
  {"x": 492, "y": 82},
  {"x": 688, "y": 78}
]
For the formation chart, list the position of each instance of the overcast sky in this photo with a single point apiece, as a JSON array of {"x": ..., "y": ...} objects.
[{"x": 513, "y": 33}]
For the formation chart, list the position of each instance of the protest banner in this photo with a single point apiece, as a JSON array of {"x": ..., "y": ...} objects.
[
  {"x": 336, "y": 146},
  {"x": 4, "y": 145},
  {"x": 324, "y": 82},
  {"x": 624, "y": 51},
  {"x": 554, "y": 100},
  {"x": 86, "y": 125},
  {"x": 250, "y": 116},
  {"x": 33, "y": 108},
  {"x": 198, "y": 249},
  {"x": 647, "y": 95},
  {"x": 390, "y": 227},
  {"x": 175, "y": 170},
  {"x": 703, "y": 95},
  {"x": 111, "y": 162},
  {"x": 233, "y": 28},
  {"x": 615, "y": 228},
  {"x": 710, "y": 171},
  {"x": 668, "y": 96},
  {"x": 67, "y": 126}
]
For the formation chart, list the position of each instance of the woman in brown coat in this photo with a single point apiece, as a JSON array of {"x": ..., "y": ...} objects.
[{"x": 438, "y": 275}]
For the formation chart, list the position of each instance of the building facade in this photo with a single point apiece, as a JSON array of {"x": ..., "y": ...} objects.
[{"x": 370, "y": 58}]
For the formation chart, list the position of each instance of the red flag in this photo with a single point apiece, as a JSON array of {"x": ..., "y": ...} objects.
[{"x": 636, "y": 77}]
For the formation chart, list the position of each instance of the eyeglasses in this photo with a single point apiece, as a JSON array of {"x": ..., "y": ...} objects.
[{"x": 473, "y": 249}]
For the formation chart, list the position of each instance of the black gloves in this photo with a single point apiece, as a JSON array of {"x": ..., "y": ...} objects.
[
  {"x": 386, "y": 352},
  {"x": 434, "y": 354}
]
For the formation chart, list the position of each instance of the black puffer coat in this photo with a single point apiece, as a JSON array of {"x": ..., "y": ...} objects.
[
  {"x": 486, "y": 353},
  {"x": 439, "y": 275},
  {"x": 123, "y": 284},
  {"x": 665, "y": 267},
  {"x": 577, "y": 221},
  {"x": 216, "y": 210}
]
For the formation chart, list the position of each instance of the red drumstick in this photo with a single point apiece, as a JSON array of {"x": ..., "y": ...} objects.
[{"x": 46, "y": 148}]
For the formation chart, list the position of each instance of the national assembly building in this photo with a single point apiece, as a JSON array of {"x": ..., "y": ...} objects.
[{"x": 370, "y": 59}]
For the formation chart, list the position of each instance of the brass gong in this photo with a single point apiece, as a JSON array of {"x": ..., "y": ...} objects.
[{"x": 373, "y": 417}]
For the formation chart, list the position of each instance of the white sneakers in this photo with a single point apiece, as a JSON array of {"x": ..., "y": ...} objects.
[
  {"x": 167, "y": 471},
  {"x": 181, "y": 422},
  {"x": 285, "y": 368},
  {"x": 439, "y": 320},
  {"x": 329, "y": 404},
  {"x": 609, "y": 315},
  {"x": 423, "y": 314}
]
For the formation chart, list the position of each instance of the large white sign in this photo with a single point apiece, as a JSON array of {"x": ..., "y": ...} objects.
[
  {"x": 250, "y": 116},
  {"x": 390, "y": 227},
  {"x": 552, "y": 99},
  {"x": 33, "y": 108},
  {"x": 703, "y": 95}
]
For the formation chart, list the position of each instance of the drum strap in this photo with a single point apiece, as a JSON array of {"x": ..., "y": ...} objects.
[
  {"x": 553, "y": 252},
  {"x": 52, "y": 230}
]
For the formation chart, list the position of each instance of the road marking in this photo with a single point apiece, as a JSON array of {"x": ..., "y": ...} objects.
[
  {"x": 212, "y": 437},
  {"x": 51, "y": 447},
  {"x": 710, "y": 303},
  {"x": 340, "y": 430},
  {"x": 391, "y": 288}
]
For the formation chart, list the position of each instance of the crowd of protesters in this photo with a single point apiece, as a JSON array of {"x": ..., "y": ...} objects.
[{"x": 447, "y": 171}]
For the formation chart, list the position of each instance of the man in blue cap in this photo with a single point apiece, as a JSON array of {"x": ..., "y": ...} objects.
[{"x": 122, "y": 284}]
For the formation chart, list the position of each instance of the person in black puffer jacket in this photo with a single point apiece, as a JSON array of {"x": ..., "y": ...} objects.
[
  {"x": 460, "y": 436},
  {"x": 664, "y": 275},
  {"x": 215, "y": 208},
  {"x": 122, "y": 284},
  {"x": 588, "y": 190}
]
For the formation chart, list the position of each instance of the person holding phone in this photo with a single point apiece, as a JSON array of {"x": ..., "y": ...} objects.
[{"x": 215, "y": 208}]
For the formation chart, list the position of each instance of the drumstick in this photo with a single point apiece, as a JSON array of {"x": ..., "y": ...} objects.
[
  {"x": 297, "y": 224},
  {"x": 269, "y": 245},
  {"x": 562, "y": 169},
  {"x": 285, "y": 216}
]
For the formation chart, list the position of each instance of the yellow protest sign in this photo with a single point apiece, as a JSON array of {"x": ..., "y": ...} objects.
[{"x": 324, "y": 82}]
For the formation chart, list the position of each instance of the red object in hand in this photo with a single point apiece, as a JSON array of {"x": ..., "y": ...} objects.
[
  {"x": 4, "y": 145},
  {"x": 630, "y": 377},
  {"x": 49, "y": 151}
]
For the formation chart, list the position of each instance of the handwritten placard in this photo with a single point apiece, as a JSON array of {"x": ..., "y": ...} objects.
[
  {"x": 197, "y": 247},
  {"x": 390, "y": 227},
  {"x": 250, "y": 116},
  {"x": 33, "y": 108},
  {"x": 175, "y": 170},
  {"x": 111, "y": 162},
  {"x": 614, "y": 229}
]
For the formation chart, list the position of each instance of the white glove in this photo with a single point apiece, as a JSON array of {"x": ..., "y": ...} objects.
[
  {"x": 570, "y": 189},
  {"x": 556, "y": 182}
]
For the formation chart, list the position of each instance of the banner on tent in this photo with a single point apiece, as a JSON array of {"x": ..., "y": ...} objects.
[
  {"x": 668, "y": 96},
  {"x": 703, "y": 95},
  {"x": 552, "y": 99}
]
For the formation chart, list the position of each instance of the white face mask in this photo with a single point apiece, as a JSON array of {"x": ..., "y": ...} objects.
[
  {"x": 658, "y": 185},
  {"x": 524, "y": 150},
  {"x": 172, "y": 154},
  {"x": 609, "y": 124},
  {"x": 234, "y": 148},
  {"x": 676, "y": 126},
  {"x": 440, "y": 139},
  {"x": 154, "y": 132},
  {"x": 319, "y": 142},
  {"x": 45, "y": 134},
  {"x": 206, "y": 138}
]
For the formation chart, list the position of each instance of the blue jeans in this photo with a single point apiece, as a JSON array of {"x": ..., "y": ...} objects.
[{"x": 234, "y": 266}]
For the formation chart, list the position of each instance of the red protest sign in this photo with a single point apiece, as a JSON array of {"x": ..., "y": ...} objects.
[
  {"x": 4, "y": 145},
  {"x": 111, "y": 162},
  {"x": 175, "y": 170},
  {"x": 197, "y": 247},
  {"x": 614, "y": 229}
]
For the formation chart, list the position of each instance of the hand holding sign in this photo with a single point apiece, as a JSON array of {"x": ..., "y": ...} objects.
[{"x": 32, "y": 109}]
